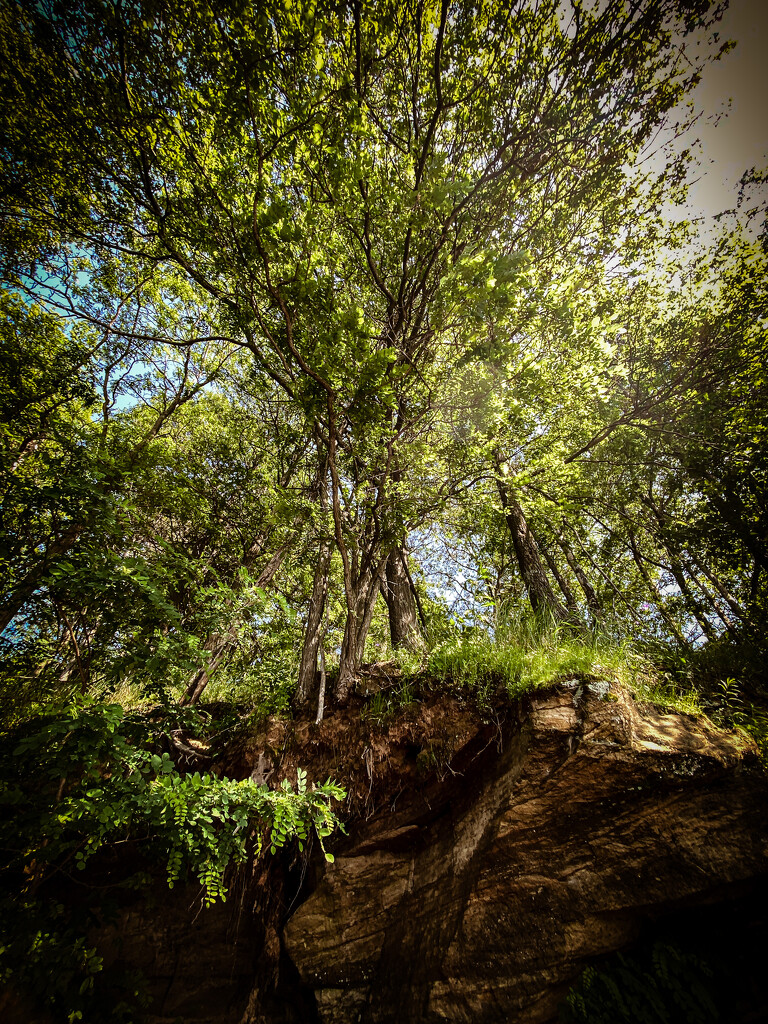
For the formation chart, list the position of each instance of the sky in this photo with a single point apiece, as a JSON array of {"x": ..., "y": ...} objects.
[{"x": 738, "y": 140}]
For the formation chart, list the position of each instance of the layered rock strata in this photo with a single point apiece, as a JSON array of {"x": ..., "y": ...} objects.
[
  {"x": 490, "y": 857},
  {"x": 538, "y": 843}
]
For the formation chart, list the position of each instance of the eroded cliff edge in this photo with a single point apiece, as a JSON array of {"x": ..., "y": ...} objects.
[
  {"x": 550, "y": 839},
  {"x": 490, "y": 857}
]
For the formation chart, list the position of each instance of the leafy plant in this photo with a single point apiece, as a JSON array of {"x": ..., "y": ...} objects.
[
  {"x": 732, "y": 710},
  {"x": 660, "y": 986},
  {"x": 87, "y": 775}
]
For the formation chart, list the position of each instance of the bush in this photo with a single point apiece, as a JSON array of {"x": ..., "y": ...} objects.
[{"x": 86, "y": 775}]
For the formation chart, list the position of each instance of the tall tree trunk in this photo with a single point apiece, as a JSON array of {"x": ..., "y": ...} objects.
[
  {"x": 692, "y": 602},
  {"x": 593, "y": 603},
  {"x": 321, "y": 694},
  {"x": 365, "y": 625},
  {"x": 401, "y": 603},
  {"x": 565, "y": 590},
  {"x": 217, "y": 646},
  {"x": 719, "y": 586},
  {"x": 722, "y": 613},
  {"x": 314, "y": 629},
  {"x": 360, "y": 605},
  {"x": 537, "y": 586},
  {"x": 617, "y": 592},
  {"x": 757, "y": 612},
  {"x": 362, "y": 566}
]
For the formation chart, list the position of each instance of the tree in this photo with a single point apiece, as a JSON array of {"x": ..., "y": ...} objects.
[
  {"x": 352, "y": 235},
  {"x": 622, "y": 451}
]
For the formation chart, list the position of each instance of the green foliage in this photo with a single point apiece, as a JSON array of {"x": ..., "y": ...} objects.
[
  {"x": 730, "y": 709},
  {"x": 261, "y": 676},
  {"x": 94, "y": 781},
  {"x": 297, "y": 272},
  {"x": 46, "y": 959},
  {"x": 660, "y": 986},
  {"x": 86, "y": 776},
  {"x": 715, "y": 680},
  {"x": 418, "y": 282},
  {"x": 212, "y": 819}
]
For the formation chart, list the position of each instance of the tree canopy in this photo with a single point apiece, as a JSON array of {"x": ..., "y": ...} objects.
[{"x": 322, "y": 279}]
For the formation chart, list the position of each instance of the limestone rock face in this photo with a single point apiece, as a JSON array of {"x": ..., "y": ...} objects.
[{"x": 533, "y": 844}]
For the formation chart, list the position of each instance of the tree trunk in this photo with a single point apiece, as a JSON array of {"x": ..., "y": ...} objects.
[
  {"x": 592, "y": 601},
  {"x": 757, "y": 612},
  {"x": 314, "y": 629},
  {"x": 217, "y": 645},
  {"x": 722, "y": 613},
  {"x": 720, "y": 587},
  {"x": 321, "y": 694},
  {"x": 694, "y": 605},
  {"x": 618, "y": 593},
  {"x": 401, "y": 604},
  {"x": 359, "y": 615},
  {"x": 365, "y": 625},
  {"x": 537, "y": 586},
  {"x": 565, "y": 590}
]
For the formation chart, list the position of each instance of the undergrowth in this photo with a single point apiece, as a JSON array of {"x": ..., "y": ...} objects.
[
  {"x": 86, "y": 776},
  {"x": 525, "y": 652},
  {"x": 660, "y": 985},
  {"x": 528, "y": 653},
  {"x": 384, "y": 705},
  {"x": 653, "y": 687}
]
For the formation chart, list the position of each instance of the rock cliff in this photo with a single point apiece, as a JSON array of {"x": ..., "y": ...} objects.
[
  {"x": 489, "y": 859},
  {"x": 547, "y": 844}
]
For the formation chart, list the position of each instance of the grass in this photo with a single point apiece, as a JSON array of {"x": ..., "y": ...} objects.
[
  {"x": 382, "y": 706},
  {"x": 666, "y": 693},
  {"x": 528, "y": 653}
]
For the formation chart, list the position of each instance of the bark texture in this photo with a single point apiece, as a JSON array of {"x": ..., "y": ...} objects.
[
  {"x": 401, "y": 603},
  {"x": 360, "y": 604},
  {"x": 565, "y": 590},
  {"x": 314, "y": 627},
  {"x": 587, "y": 589},
  {"x": 537, "y": 585}
]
